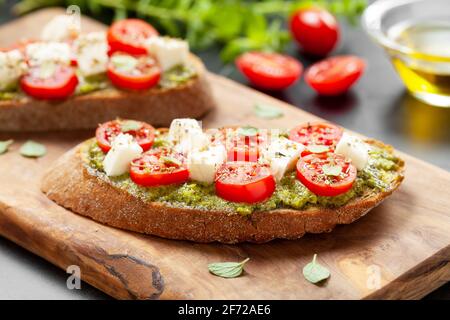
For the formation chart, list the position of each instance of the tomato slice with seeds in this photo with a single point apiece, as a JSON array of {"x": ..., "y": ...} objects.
[
  {"x": 247, "y": 182},
  {"x": 317, "y": 134},
  {"x": 158, "y": 167},
  {"x": 129, "y": 35},
  {"x": 326, "y": 174},
  {"x": 133, "y": 72},
  {"x": 50, "y": 82},
  {"x": 271, "y": 71},
  {"x": 141, "y": 131},
  {"x": 334, "y": 76}
]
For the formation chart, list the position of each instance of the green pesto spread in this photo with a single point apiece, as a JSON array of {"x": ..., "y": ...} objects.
[
  {"x": 379, "y": 175},
  {"x": 9, "y": 95},
  {"x": 176, "y": 76}
]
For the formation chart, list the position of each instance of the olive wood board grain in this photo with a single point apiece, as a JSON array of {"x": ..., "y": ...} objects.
[{"x": 400, "y": 250}]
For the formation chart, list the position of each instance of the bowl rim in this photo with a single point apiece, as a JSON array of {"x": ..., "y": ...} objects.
[{"x": 371, "y": 23}]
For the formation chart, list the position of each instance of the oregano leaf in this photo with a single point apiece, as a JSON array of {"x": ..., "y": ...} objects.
[
  {"x": 227, "y": 269},
  {"x": 315, "y": 148},
  {"x": 315, "y": 272},
  {"x": 130, "y": 125},
  {"x": 267, "y": 111},
  {"x": 33, "y": 149},
  {"x": 332, "y": 170},
  {"x": 248, "y": 131},
  {"x": 4, "y": 145}
]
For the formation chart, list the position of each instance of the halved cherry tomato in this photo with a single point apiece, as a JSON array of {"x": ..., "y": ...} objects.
[
  {"x": 128, "y": 36},
  {"x": 141, "y": 131},
  {"x": 320, "y": 134},
  {"x": 159, "y": 167},
  {"x": 336, "y": 180},
  {"x": 133, "y": 72},
  {"x": 334, "y": 76},
  {"x": 271, "y": 71},
  {"x": 247, "y": 182},
  {"x": 315, "y": 29},
  {"x": 54, "y": 82}
]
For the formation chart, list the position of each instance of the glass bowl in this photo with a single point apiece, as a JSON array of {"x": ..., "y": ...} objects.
[{"x": 416, "y": 35}]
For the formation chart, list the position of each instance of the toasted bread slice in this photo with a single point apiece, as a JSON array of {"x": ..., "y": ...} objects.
[
  {"x": 73, "y": 185},
  {"x": 157, "y": 106}
]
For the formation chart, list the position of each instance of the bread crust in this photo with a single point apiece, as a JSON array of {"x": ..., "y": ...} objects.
[
  {"x": 158, "y": 106},
  {"x": 70, "y": 184}
]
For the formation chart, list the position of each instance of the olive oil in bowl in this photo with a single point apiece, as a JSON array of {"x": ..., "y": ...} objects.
[
  {"x": 425, "y": 68},
  {"x": 416, "y": 35}
]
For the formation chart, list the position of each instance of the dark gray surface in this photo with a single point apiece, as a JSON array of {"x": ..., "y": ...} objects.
[{"x": 377, "y": 107}]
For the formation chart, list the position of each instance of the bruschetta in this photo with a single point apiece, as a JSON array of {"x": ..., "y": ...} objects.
[
  {"x": 73, "y": 80},
  {"x": 228, "y": 185}
]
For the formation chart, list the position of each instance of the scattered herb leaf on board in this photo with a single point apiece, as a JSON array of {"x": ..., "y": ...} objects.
[
  {"x": 4, "y": 145},
  {"x": 227, "y": 269},
  {"x": 267, "y": 111},
  {"x": 315, "y": 272},
  {"x": 31, "y": 149}
]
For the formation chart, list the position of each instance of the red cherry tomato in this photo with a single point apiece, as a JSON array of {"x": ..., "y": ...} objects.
[
  {"x": 315, "y": 29},
  {"x": 247, "y": 182},
  {"x": 159, "y": 167},
  {"x": 336, "y": 180},
  {"x": 334, "y": 76},
  {"x": 133, "y": 72},
  {"x": 317, "y": 134},
  {"x": 141, "y": 131},
  {"x": 271, "y": 71},
  {"x": 128, "y": 36},
  {"x": 57, "y": 83}
]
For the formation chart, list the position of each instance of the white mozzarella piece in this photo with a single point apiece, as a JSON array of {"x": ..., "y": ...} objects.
[
  {"x": 193, "y": 141},
  {"x": 124, "y": 149},
  {"x": 61, "y": 28},
  {"x": 12, "y": 66},
  {"x": 282, "y": 155},
  {"x": 182, "y": 128},
  {"x": 92, "y": 53},
  {"x": 40, "y": 53},
  {"x": 169, "y": 52},
  {"x": 355, "y": 149},
  {"x": 203, "y": 164}
]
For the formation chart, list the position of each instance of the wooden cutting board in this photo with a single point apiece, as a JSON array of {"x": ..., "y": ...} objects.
[{"x": 399, "y": 250}]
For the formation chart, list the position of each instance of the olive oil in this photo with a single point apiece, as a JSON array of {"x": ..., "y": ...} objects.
[{"x": 425, "y": 69}]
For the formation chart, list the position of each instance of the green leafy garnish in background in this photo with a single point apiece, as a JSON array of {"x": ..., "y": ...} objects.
[
  {"x": 4, "y": 145},
  {"x": 31, "y": 149},
  {"x": 236, "y": 26},
  {"x": 227, "y": 269},
  {"x": 314, "y": 272},
  {"x": 266, "y": 111}
]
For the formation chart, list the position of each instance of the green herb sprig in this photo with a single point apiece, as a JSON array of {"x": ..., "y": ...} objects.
[{"x": 236, "y": 26}]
